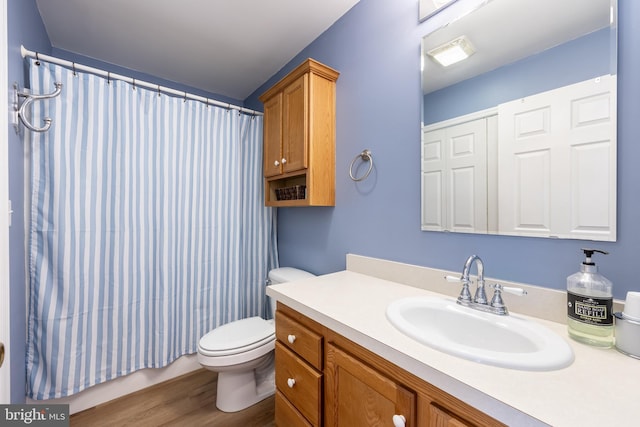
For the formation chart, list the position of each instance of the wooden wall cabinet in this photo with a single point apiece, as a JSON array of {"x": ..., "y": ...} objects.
[
  {"x": 299, "y": 136},
  {"x": 339, "y": 383}
]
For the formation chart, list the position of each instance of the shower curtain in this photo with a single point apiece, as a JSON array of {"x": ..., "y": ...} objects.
[{"x": 147, "y": 228}]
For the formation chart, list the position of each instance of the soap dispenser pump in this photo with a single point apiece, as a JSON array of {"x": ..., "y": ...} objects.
[{"x": 590, "y": 304}]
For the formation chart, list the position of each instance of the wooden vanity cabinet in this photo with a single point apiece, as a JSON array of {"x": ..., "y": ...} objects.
[
  {"x": 359, "y": 388},
  {"x": 299, "y": 135},
  {"x": 358, "y": 395},
  {"x": 439, "y": 417},
  {"x": 299, "y": 370}
]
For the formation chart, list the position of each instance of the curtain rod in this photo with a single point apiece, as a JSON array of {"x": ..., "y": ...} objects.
[{"x": 39, "y": 56}]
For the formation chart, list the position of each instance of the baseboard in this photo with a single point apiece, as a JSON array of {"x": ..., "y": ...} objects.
[{"x": 122, "y": 386}]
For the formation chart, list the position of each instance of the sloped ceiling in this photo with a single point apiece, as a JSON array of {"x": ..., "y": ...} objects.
[{"x": 228, "y": 47}]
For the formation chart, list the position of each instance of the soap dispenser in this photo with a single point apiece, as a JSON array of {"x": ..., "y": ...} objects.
[{"x": 589, "y": 304}]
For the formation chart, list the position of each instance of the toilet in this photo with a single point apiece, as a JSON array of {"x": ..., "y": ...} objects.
[{"x": 242, "y": 352}]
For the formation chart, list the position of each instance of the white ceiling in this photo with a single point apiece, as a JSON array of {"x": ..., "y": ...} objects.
[{"x": 228, "y": 47}]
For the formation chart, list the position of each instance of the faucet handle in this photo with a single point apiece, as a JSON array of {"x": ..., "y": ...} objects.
[
  {"x": 465, "y": 296},
  {"x": 515, "y": 291},
  {"x": 497, "y": 303}
]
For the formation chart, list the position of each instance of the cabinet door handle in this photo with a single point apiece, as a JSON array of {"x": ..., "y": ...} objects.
[
  {"x": 291, "y": 382},
  {"x": 291, "y": 339},
  {"x": 284, "y": 160},
  {"x": 276, "y": 163},
  {"x": 399, "y": 421}
]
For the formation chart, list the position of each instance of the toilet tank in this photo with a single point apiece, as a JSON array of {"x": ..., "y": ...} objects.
[{"x": 282, "y": 275}]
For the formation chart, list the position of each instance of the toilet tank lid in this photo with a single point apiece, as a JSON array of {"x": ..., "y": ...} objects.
[{"x": 288, "y": 274}]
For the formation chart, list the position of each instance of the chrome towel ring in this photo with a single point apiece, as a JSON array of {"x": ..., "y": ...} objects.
[{"x": 365, "y": 156}]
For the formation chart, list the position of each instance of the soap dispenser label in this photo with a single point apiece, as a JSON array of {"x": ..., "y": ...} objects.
[{"x": 594, "y": 311}]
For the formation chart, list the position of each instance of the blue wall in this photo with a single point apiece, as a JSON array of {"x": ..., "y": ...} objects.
[
  {"x": 376, "y": 47},
  {"x": 24, "y": 27}
]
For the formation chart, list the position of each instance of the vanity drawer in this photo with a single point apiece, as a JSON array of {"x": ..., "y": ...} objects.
[
  {"x": 299, "y": 383},
  {"x": 300, "y": 339},
  {"x": 287, "y": 415}
]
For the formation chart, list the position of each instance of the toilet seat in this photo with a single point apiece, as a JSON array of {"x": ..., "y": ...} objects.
[{"x": 237, "y": 337}]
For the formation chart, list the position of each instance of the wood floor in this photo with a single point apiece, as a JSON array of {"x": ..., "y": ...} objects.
[{"x": 185, "y": 401}]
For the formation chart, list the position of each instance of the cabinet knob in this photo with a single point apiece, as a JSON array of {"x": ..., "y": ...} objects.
[
  {"x": 291, "y": 382},
  {"x": 284, "y": 160},
  {"x": 276, "y": 163},
  {"x": 291, "y": 339},
  {"x": 399, "y": 420}
]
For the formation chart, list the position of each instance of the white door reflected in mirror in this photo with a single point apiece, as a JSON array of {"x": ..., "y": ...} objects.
[{"x": 520, "y": 138}]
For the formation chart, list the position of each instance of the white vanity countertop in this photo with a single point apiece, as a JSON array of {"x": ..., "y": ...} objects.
[{"x": 600, "y": 388}]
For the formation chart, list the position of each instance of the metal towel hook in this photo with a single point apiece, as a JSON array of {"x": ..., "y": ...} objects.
[
  {"x": 29, "y": 99},
  {"x": 365, "y": 156}
]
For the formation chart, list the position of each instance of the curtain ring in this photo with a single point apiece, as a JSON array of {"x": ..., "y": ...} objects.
[
  {"x": 134, "y": 83},
  {"x": 365, "y": 156},
  {"x": 185, "y": 97},
  {"x": 37, "y": 59},
  {"x": 207, "y": 102},
  {"x": 158, "y": 90},
  {"x": 108, "y": 77},
  {"x": 73, "y": 66}
]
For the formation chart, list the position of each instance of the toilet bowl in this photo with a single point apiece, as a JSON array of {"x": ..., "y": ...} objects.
[{"x": 242, "y": 352}]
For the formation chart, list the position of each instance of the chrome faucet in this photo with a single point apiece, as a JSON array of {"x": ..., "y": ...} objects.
[
  {"x": 480, "y": 296},
  {"x": 479, "y": 301}
]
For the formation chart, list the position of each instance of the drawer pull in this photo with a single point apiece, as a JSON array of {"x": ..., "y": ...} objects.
[
  {"x": 284, "y": 161},
  {"x": 276, "y": 163},
  {"x": 291, "y": 339},
  {"x": 291, "y": 382},
  {"x": 399, "y": 421}
]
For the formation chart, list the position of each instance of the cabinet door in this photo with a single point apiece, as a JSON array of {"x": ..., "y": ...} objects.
[
  {"x": 357, "y": 395},
  {"x": 300, "y": 339},
  {"x": 272, "y": 151},
  {"x": 299, "y": 383},
  {"x": 295, "y": 125},
  {"x": 441, "y": 418},
  {"x": 287, "y": 415}
]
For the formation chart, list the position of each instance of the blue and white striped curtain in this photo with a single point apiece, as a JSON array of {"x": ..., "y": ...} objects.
[{"x": 147, "y": 229}]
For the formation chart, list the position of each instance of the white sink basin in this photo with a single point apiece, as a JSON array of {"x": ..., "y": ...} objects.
[{"x": 506, "y": 341}]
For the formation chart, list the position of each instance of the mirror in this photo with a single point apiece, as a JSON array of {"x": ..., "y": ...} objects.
[
  {"x": 427, "y": 8},
  {"x": 520, "y": 137}
]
